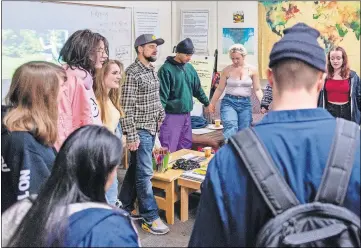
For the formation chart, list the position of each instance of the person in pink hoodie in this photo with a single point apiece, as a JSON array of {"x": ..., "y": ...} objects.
[{"x": 83, "y": 53}]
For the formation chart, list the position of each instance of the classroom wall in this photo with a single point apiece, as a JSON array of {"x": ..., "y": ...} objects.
[
  {"x": 165, "y": 21},
  {"x": 220, "y": 15}
]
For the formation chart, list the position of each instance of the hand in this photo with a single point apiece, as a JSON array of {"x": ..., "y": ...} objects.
[
  {"x": 211, "y": 108},
  {"x": 263, "y": 110},
  {"x": 206, "y": 109},
  {"x": 133, "y": 146}
]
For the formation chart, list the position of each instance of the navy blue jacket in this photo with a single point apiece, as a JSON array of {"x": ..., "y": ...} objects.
[
  {"x": 100, "y": 227},
  {"x": 25, "y": 165},
  {"x": 355, "y": 97},
  {"x": 232, "y": 211}
]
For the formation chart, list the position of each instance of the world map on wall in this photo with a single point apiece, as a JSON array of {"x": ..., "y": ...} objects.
[{"x": 338, "y": 23}]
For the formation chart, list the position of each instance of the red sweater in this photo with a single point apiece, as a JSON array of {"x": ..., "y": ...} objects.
[{"x": 337, "y": 90}]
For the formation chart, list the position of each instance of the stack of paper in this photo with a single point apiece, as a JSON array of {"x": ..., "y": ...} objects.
[{"x": 196, "y": 174}]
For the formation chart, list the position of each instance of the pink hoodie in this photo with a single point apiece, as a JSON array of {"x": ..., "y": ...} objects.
[{"x": 76, "y": 104}]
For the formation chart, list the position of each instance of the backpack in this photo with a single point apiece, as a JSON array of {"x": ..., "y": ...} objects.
[{"x": 321, "y": 223}]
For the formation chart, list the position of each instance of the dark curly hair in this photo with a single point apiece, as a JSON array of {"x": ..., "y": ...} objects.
[{"x": 79, "y": 49}]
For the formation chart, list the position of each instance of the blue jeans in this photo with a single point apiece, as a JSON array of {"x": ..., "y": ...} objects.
[
  {"x": 236, "y": 114},
  {"x": 137, "y": 182},
  {"x": 112, "y": 193}
]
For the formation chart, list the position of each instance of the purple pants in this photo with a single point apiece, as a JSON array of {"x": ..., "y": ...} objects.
[{"x": 176, "y": 132}]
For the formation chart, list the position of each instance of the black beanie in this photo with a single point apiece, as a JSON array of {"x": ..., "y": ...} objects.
[
  {"x": 299, "y": 42},
  {"x": 185, "y": 46}
]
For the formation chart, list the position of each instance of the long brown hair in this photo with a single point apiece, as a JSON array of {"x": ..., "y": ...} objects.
[
  {"x": 100, "y": 90},
  {"x": 345, "y": 68},
  {"x": 32, "y": 98}
]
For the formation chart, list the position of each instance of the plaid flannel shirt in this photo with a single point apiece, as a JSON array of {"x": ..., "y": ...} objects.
[
  {"x": 267, "y": 97},
  {"x": 140, "y": 101}
]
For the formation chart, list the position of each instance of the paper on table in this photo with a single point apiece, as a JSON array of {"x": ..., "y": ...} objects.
[{"x": 202, "y": 131}]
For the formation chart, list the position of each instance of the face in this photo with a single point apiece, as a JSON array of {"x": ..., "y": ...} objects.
[
  {"x": 237, "y": 59},
  {"x": 336, "y": 59},
  {"x": 100, "y": 55},
  {"x": 112, "y": 78},
  {"x": 149, "y": 51},
  {"x": 184, "y": 58}
]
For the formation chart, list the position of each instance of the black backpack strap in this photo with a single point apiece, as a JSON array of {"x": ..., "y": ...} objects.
[
  {"x": 272, "y": 186},
  {"x": 339, "y": 165}
]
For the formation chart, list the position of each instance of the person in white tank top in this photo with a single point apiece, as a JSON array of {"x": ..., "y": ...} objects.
[{"x": 237, "y": 81}]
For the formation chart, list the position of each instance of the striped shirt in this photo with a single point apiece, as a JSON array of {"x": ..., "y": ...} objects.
[{"x": 141, "y": 101}]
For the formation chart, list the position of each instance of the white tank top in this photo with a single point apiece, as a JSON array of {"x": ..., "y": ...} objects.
[{"x": 239, "y": 87}]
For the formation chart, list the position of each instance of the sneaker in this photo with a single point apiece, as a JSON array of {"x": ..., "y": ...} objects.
[
  {"x": 156, "y": 227},
  {"x": 133, "y": 215}
]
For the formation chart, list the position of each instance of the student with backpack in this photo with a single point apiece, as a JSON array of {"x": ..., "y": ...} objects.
[
  {"x": 71, "y": 208},
  {"x": 293, "y": 179}
]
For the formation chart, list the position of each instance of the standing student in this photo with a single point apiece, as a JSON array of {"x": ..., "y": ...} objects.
[
  {"x": 143, "y": 115},
  {"x": 71, "y": 209},
  {"x": 237, "y": 80},
  {"x": 29, "y": 130},
  {"x": 107, "y": 93},
  {"x": 297, "y": 136},
  {"x": 341, "y": 94},
  {"x": 179, "y": 82},
  {"x": 82, "y": 53}
]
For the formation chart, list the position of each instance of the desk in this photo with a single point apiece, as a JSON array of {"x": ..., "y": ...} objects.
[
  {"x": 187, "y": 186},
  {"x": 166, "y": 182}
]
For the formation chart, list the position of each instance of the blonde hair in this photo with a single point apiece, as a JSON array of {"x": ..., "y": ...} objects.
[
  {"x": 33, "y": 97},
  {"x": 237, "y": 48},
  {"x": 100, "y": 90}
]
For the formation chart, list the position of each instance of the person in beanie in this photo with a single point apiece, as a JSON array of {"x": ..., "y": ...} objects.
[
  {"x": 143, "y": 114},
  {"x": 179, "y": 83},
  {"x": 296, "y": 134}
]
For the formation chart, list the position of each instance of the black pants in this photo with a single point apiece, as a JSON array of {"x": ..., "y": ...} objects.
[{"x": 340, "y": 111}]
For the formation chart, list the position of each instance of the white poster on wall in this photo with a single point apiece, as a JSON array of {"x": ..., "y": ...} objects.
[
  {"x": 195, "y": 25},
  {"x": 146, "y": 21}
]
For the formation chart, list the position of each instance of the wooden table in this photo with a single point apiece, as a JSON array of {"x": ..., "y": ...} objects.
[
  {"x": 187, "y": 186},
  {"x": 166, "y": 182}
]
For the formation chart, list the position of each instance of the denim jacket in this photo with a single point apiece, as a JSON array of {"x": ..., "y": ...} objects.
[{"x": 355, "y": 97}]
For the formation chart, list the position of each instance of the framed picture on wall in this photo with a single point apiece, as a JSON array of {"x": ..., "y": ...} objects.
[{"x": 244, "y": 36}]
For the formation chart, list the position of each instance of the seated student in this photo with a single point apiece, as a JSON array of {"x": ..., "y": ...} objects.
[
  {"x": 29, "y": 130},
  {"x": 297, "y": 136},
  {"x": 71, "y": 209}
]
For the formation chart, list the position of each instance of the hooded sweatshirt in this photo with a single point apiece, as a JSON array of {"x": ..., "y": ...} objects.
[
  {"x": 178, "y": 84},
  {"x": 77, "y": 104},
  {"x": 90, "y": 224},
  {"x": 25, "y": 164}
]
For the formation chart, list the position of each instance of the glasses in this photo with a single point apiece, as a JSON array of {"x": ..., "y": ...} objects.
[{"x": 101, "y": 51}]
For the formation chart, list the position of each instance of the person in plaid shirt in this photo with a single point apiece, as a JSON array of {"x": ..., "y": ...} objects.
[{"x": 143, "y": 115}]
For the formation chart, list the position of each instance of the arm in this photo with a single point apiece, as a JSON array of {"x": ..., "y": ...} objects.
[
  {"x": 164, "y": 85},
  {"x": 267, "y": 97},
  {"x": 128, "y": 101},
  {"x": 256, "y": 84},
  {"x": 358, "y": 91},
  {"x": 198, "y": 91},
  {"x": 221, "y": 86}
]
